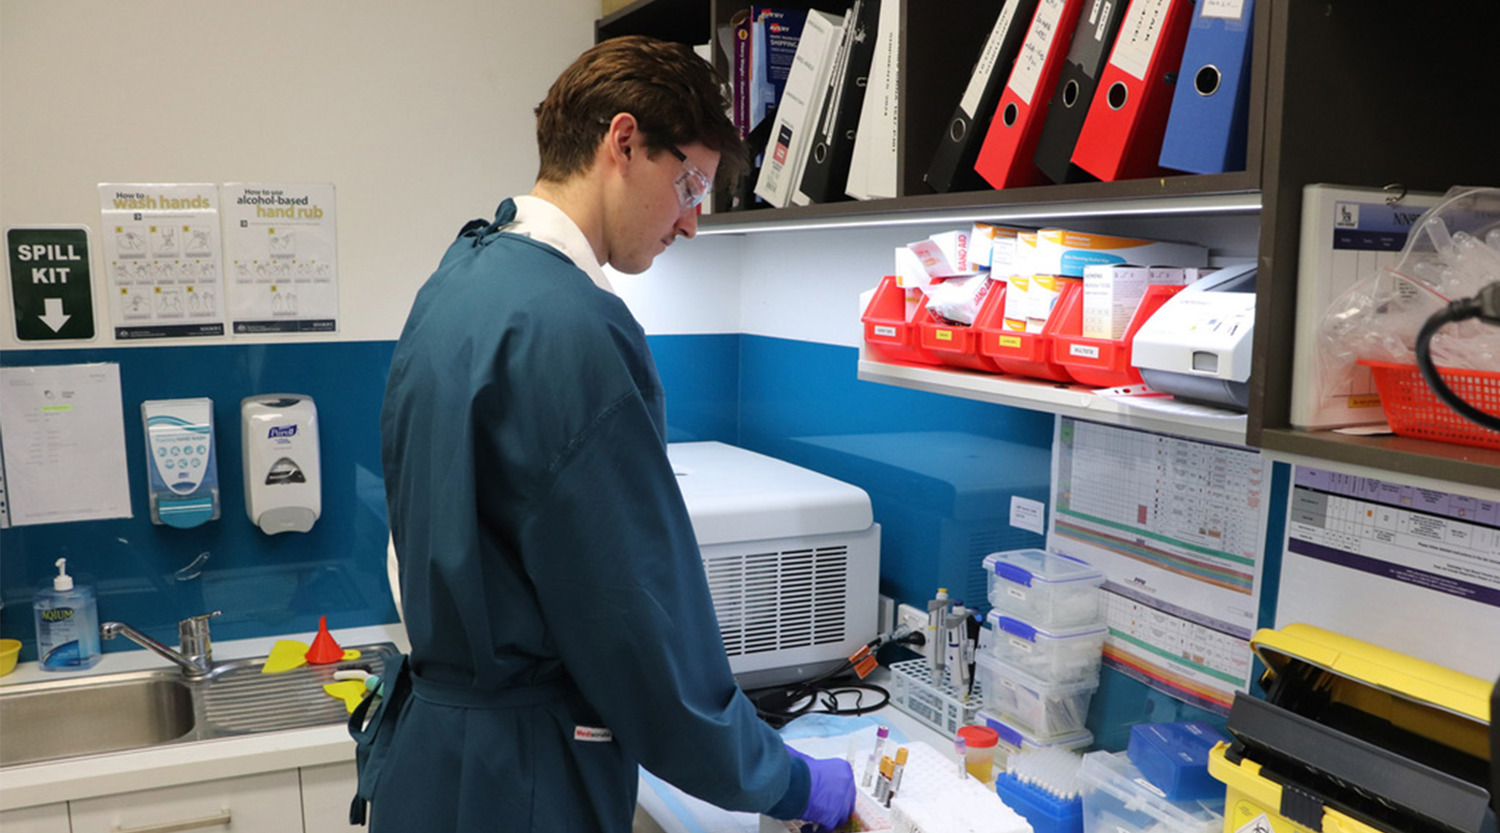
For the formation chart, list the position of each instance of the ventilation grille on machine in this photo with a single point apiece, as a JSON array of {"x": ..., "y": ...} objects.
[{"x": 778, "y": 600}]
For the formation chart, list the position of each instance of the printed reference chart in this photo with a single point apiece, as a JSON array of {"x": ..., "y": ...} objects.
[
  {"x": 1417, "y": 570},
  {"x": 1178, "y": 528}
]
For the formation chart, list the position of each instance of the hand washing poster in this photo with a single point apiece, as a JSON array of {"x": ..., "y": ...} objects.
[
  {"x": 280, "y": 251},
  {"x": 162, "y": 260}
]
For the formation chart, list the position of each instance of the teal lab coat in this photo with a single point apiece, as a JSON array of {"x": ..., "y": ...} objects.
[{"x": 560, "y": 621}]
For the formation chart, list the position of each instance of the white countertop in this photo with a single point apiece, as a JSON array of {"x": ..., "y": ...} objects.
[
  {"x": 663, "y": 808},
  {"x": 48, "y": 782}
]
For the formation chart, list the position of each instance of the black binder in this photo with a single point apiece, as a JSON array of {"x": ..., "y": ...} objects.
[
  {"x": 827, "y": 170},
  {"x": 1092, "y": 41},
  {"x": 952, "y": 167}
]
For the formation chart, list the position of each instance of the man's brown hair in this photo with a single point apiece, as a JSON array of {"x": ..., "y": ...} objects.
[{"x": 676, "y": 97}]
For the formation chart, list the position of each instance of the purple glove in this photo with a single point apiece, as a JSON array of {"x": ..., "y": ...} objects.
[{"x": 831, "y": 798}]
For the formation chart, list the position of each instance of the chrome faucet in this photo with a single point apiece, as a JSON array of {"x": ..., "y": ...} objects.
[{"x": 195, "y": 654}]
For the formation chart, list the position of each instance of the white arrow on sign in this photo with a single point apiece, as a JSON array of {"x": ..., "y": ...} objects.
[{"x": 54, "y": 318}]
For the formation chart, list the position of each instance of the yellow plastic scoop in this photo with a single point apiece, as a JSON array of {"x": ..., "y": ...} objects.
[
  {"x": 350, "y": 691},
  {"x": 285, "y": 655}
]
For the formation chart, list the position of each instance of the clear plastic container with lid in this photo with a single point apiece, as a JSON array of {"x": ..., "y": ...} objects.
[
  {"x": 1046, "y": 709},
  {"x": 1063, "y": 652},
  {"x": 1117, "y": 798},
  {"x": 1013, "y": 738},
  {"x": 1043, "y": 587}
]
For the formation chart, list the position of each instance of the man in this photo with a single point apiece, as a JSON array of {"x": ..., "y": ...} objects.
[{"x": 561, "y": 627}]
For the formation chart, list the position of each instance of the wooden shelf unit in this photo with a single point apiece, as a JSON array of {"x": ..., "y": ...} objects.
[{"x": 1349, "y": 93}]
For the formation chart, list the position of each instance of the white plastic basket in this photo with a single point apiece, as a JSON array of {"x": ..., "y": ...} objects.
[
  {"x": 935, "y": 799},
  {"x": 942, "y": 707}
]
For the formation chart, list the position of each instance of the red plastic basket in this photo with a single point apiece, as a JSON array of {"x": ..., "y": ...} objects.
[
  {"x": 1413, "y": 410},
  {"x": 957, "y": 345},
  {"x": 1024, "y": 354},
  {"x": 888, "y": 332},
  {"x": 1103, "y": 362}
]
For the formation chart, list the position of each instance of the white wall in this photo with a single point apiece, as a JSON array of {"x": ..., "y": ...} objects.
[
  {"x": 805, "y": 285},
  {"x": 419, "y": 112}
]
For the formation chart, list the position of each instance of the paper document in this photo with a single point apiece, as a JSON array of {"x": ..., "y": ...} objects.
[
  {"x": 1407, "y": 568},
  {"x": 281, "y": 247},
  {"x": 1178, "y": 528},
  {"x": 63, "y": 434},
  {"x": 163, "y": 260},
  {"x": 1347, "y": 233}
]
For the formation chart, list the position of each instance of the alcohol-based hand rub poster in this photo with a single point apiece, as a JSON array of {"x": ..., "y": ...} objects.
[
  {"x": 280, "y": 244},
  {"x": 162, "y": 260}
]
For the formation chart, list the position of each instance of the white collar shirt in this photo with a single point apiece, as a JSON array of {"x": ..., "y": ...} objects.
[{"x": 546, "y": 223}]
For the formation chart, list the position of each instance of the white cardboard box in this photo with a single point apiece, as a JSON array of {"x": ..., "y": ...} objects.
[
  {"x": 1111, "y": 294},
  {"x": 1063, "y": 252}
]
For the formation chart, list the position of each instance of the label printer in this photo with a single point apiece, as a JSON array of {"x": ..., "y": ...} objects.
[{"x": 1197, "y": 346}]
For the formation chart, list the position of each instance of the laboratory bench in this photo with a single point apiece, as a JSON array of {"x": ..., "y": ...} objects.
[
  {"x": 658, "y": 814},
  {"x": 299, "y": 779}
]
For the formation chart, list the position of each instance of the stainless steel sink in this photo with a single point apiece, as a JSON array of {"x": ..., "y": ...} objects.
[
  {"x": 74, "y": 716},
  {"x": 63, "y": 718}
]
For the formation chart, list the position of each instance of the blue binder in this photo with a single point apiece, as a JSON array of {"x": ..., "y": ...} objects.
[{"x": 1207, "y": 124}]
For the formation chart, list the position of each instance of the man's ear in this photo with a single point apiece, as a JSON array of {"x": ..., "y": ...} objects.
[{"x": 622, "y": 135}]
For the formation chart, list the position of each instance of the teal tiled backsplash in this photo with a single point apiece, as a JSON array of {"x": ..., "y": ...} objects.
[{"x": 151, "y": 576}]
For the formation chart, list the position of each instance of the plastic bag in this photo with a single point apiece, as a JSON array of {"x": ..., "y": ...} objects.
[
  {"x": 1453, "y": 251},
  {"x": 958, "y": 299}
]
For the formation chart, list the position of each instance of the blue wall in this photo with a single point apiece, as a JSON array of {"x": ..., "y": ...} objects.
[
  {"x": 265, "y": 585},
  {"x": 918, "y": 455},
  {"x": 940, "y": 472}
]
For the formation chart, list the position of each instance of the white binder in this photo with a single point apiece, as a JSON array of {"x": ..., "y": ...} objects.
[{"x": 797, "y": 114}]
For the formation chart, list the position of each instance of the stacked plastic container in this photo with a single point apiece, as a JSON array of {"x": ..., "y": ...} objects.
[
  {"x": 1119, "y": 798},
  {"x": 1047, "y": 632}
]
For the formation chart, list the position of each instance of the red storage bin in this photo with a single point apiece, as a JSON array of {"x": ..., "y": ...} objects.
[
  {"x": 887, "y": 332},
  {"x": 1413, "y": 410},
  {"x": 1025, "y": 354},
  {"x": 955, "y": 344},
  {"x": 1102, "y": 362}
]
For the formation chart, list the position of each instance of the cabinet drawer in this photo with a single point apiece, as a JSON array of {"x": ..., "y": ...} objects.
[
  {"x": 48, "y": 818},
  {"x": 266, "y": 803},
  {"x": 327, "y": 791}
]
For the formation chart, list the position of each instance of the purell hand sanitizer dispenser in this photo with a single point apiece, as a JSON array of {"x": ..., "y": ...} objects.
[{"x": 283, "y": 486}]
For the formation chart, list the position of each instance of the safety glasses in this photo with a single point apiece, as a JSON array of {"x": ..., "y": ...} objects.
[{"x": 693, "y": 185}]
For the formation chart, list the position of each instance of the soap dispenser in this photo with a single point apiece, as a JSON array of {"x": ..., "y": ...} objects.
[
  {"x": 279, "y": 437},
  {"x": 67, "y": 624}
]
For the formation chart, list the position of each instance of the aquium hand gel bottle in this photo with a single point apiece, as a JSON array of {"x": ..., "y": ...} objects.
[{"x": 67, "y": 624}]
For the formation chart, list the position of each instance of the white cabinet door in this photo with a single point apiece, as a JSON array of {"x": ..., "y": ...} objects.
[
  {"x": 267, "y": 803},
  {"x": 327, "y": 791},
  {"x": 48, "y": 818}
]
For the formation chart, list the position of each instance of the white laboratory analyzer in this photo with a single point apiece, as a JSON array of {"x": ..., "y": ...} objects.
[
  {"x": 1197, "y": 346},
  {"x": 283, "y": 478},
  {"x": 792, "y": 556}
]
